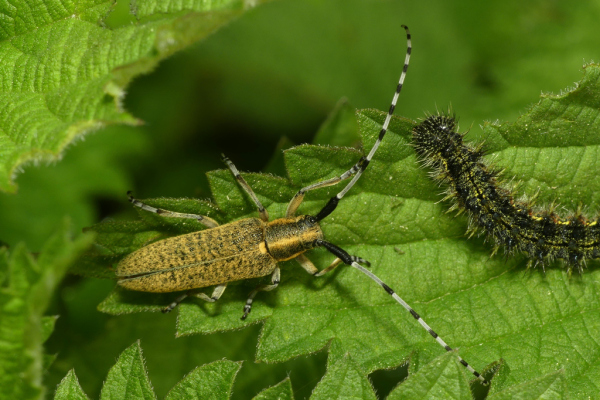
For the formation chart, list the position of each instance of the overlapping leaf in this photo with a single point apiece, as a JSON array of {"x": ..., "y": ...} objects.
[
  {"x": 490, "y": 308},
  {"x": 26, "y": 287},
  {"x": 64, "y": 73},
  {"x": 443, "y": 379},
  {"x": 128, "y": 379}
]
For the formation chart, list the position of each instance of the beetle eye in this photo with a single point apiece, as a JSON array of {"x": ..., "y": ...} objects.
[{"x": 310, "y": 220}]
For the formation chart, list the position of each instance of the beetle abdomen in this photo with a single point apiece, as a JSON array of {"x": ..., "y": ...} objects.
[{"x": 226, "y": 253}]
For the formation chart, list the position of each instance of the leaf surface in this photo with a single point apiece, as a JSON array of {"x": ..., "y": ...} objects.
[
  {"x": 211, "y": 381},
  {"x": 343, "y": 380},
  {"x": 551, "y": 386},
  {"x": 70, "y": 389},
  {"x": 27, "y": 284},
  {"x": 128, "y": 378},
  {"x": 444, "y": 378},
  {"x": 281, "y": 391},
  {"x": 489, "y": 308},
  {"x": 64, "y": 72}
]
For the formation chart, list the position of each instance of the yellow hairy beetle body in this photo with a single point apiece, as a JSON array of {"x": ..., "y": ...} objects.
[{"x": 244, "y": 249}]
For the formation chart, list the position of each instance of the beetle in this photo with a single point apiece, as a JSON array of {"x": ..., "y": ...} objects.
[
  {"x": 251, "y": 247},
  {"x": 244, "y": 249}
]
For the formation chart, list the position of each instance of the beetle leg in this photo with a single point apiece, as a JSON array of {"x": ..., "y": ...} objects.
[
  {"x": 331, "y": 267},
  {"x": 310, "y": 267},
  {"x": 307, "y": 264},
  {"x": 175, "y": 302},
  {"x": 264, "y": 214},
  {"x": 204, "y": 220},
  {"x": 298, "y": 197},
  {"x": 262, "y": 288},
  {"x": 216, "y": 294}
]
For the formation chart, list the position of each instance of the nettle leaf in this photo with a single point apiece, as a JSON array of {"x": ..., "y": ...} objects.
[
  {"x": 69, "y": 388},
  {"x": 445, "y": 378},
  {"x": 281, "y": 391},
  {"x": 343, "y": 380},
  {"x": 541, "y": 322},
  {"x": 211, "y": 381},
  {"x": 128, "y": 379},
  {"x": 64, "y": 73},
  {"x": 551, "y": 386},
  {"x": 340, "y": 128},
  {"x": 490, "y": 308},
  {"x": 27, "y": 285}
]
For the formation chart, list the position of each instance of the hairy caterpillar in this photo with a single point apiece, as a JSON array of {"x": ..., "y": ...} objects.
[{"x": 542, "y": 235}]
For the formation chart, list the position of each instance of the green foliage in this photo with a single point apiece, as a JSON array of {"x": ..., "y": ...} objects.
[
  {"x": 281, "y": 391},
  {"x": 64, "y": 74},
  {"x": 278, "y": 70},
  {"x": 551, "y": 386},
  {"x": 446, "y": 378},
  {"x": 69, "y": 389},
  {"x": 213, "y": 381},
  {"x": 128, "y": 379},
  {"x": 343, "y": 380},
  {"x": 448, "y": 279},
  {"x": 27, "y": 283},
  {"x": 553, "y": 146}
]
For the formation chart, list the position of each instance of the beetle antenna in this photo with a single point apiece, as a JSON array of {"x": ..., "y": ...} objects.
[
  {"x": 362, "y": 164},
  {"x": 352, "y": 261},
  {"x": 416, "y": 316}
]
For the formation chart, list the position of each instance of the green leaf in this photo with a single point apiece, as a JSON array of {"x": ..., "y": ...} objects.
[
  {"x": 551, "y": 386},
  {"x": 489, "y": 308},
  {"x": 48, "y": 323},
  {"x": 546, "y": 320},
  {"x": 340, "y": 127},
  {"x": 64, "y": 73},
  {"x": 70, "y": 389},
  {"x": 28, "y": 284},
  {"x": 344, "y": 380},
  {"x": 281, "y": 391},
  {"x": 48, "y": 326},
  {"x": 443, "y": 378},
  {"x": 95, "y": 340},
  {"x": 128, "y": 378},
  {"x": 553, "y": 147},
  {"x": 210, "y": 381}
]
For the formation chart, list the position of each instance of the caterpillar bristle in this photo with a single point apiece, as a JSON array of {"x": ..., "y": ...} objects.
[{"x": 516, "y": 224}]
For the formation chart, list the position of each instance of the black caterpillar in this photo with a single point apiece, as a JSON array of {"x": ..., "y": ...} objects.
[{"x": 541, "y": 235}]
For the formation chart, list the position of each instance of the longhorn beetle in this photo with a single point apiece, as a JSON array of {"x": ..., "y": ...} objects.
[{"x": 251, "y": 247}]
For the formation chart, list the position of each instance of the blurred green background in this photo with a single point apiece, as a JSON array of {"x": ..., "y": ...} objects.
[{"x": 276, "y": 72}]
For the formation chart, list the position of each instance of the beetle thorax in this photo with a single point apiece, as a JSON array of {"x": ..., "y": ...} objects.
[{"x": 287, "y": 238}]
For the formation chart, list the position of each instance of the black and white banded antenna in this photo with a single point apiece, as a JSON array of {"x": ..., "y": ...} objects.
[
  {"x": 353, "y": 261},
  {"x": 358, "y": 169},
  {"x": 420, "y": 320},
  {"x": 362, "y": 164}
]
